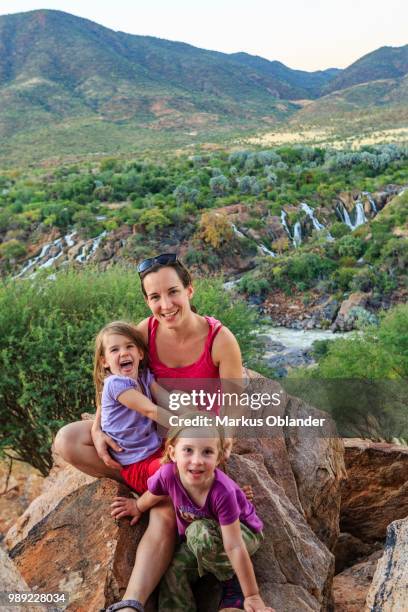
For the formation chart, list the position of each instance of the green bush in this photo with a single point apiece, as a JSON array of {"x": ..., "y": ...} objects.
[
  {"x": 48, "y": 328},
  {"x": 362, "y": 380}
]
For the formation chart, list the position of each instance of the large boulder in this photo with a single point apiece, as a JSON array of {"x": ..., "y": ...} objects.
[
  {"x": 11, "y": 581},
  {"x": 376, "y": 491},
  {"x": 308, "y": 465},
  {"x": 61, "y": 481},
  {"x": 389, "y": 590},
  {"x": 351, "y": 586},
  {"x": 349, "y": 310},
  {"x": 317, "y": 463},
  {"x": 78, "y": 549},
  {"x": 293, "y": 567},
  {"x": 20, "y": 484}
]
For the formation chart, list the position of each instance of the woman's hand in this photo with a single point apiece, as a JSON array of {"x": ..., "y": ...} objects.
[
  {"x": 102, "y": 442},
  {"x": 124, "y": 506},
  {"x": 254, "y": 603}
]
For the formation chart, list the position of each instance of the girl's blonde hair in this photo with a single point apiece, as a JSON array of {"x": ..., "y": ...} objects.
[
  {"x": 174, "y": 434},
  {"x": 123, "y": 328}
]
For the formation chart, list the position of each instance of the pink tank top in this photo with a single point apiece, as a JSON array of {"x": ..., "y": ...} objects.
[
  {"x": 202, "y": 368},
  {"x": 200, "y": 375}
]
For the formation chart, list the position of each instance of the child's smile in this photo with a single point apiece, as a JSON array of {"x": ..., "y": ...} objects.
[{"x": 121, "y": 356}]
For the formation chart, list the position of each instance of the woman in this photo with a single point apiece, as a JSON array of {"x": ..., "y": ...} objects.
[{"x": 182, "y": 344}]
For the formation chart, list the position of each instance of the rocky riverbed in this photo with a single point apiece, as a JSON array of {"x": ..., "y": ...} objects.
[{"x": 291, "y": 348}]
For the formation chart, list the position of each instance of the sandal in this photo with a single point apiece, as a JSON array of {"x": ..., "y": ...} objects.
[{"x": 126, "y": 603}]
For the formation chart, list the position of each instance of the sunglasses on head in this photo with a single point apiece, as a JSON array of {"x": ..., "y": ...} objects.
[{"x": 163, "y": 260}]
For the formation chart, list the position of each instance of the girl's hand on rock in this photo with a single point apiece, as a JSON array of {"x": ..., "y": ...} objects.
[
  {"x": 124, "y": 506},
  {"x": 249, "y": 493},
  {"x": 102, "y": 443},
  {"x": 254, "y": 603}
]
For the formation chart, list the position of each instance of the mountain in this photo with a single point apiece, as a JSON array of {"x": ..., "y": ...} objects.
[
  {"x": 71, "y": 86},
  {"x": 296, "y": 84},
  {"x": 383, "y": 63},
  {"x": 54, "y": 65}
]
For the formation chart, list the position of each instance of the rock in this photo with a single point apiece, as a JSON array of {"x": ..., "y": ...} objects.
[
  {"x": 346, "y": 318},
  {"x": 350, "y": 550},
  {"x": 389, "y": 591},
  {"x": 77, "y": 548},
  {"x": 23, "y": 486},
  {"x": 318, "y": 466},
  {"x": 350, "y": 588},
  {"x": 12, "y": 581},
  {"x": 62, "y": 480},
  {"x": 376, "y": 491},
  {"x": 293, "y": 568}
]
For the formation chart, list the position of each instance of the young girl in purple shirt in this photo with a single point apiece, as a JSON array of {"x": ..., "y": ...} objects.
[
  {"x": 124, "y": 386},
  {"x": 218, "y": 525}
]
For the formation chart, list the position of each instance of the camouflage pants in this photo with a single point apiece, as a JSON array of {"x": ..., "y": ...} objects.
[{"x": 201, "y": 552}]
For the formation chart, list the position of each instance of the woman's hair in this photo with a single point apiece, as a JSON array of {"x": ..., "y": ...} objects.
[
  {"x": 174, "y": 434},
  {"x": 181, "y": 271},
  {"x": 123, "y": 329}
]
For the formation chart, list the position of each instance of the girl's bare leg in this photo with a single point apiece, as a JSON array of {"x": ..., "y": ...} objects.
[
  {"x": 74, "y": 444},
  {"x": 154, "y": 553}
]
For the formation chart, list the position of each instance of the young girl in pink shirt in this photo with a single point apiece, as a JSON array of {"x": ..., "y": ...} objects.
[{"x": 218, "y": 526}]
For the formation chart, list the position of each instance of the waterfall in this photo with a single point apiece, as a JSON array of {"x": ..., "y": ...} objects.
[
  {"x": 266, "y": 251},
  {"x": 68, "y": 239},
  {"x": 237, "y": 232},
  {"x": 284, "y": 223},
  {"x": 360, "y": 216},
  {"x": 297, "y": 234},
  {"x": 310, "y": 213},
  {"x": 372, "y": 202}
]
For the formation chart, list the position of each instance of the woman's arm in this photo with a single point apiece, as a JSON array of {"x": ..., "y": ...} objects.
[{"x": 240, "y": 560}]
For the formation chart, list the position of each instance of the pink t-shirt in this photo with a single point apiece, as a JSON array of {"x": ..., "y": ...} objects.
[{"x": 225, "y": 502}]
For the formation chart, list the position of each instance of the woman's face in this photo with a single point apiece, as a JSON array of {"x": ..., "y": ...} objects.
[{"x": 166, "y": 297}]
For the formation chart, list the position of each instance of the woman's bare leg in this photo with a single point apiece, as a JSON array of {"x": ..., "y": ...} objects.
[
  {"x": 154, "y": 553},
  {"x": 74, "y": 444}
]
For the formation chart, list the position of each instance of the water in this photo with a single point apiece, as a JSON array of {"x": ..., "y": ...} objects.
[{"x": 303, "y": 339}]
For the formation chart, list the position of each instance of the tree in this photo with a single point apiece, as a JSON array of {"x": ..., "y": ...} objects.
[{"x": 215, "y": 229}]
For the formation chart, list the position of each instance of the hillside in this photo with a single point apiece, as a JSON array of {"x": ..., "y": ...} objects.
[
  {"x": 117, "y": 77},
  {"x": 383, "y": 63},
  {"x": 381, "y": 103},
  {"x": 116, "y": 93}
]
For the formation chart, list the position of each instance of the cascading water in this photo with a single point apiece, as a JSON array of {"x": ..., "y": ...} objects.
[
  {"x": 310, "y": 213},
  {"x": 345, "y": 217},
  {"x": 297, "y": 234}
]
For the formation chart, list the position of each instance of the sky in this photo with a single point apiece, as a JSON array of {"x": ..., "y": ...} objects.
[{"x": 303, "y": 34}]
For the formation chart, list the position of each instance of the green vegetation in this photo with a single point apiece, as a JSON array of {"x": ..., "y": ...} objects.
[
  {"x": 47, "y": 328},
  {"x": 184, "y": 199},
  {"x": 362, "y": 380}
]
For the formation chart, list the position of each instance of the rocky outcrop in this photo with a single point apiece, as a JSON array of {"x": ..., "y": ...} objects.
[
  {"x": 348, "y": 313},
  {"x": 389, "y": 590},
  {"x": 62, "y": 480},
  {"x": 317, "y": 463},
  {"x": 376, "y": 491},
  {"x": 92, "y": 555},
  {"x": 11, "y": 581},
  {"x": 351, "y": 586},
  {"x": 20, "y": 484},
  {"x": 78, "y": 549},
  {"x": 294, "y": 569},
  {"x": 350, "y": 550}
]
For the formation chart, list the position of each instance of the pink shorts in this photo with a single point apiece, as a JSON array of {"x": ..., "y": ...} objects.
[{"x": 136, "y": 474}]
